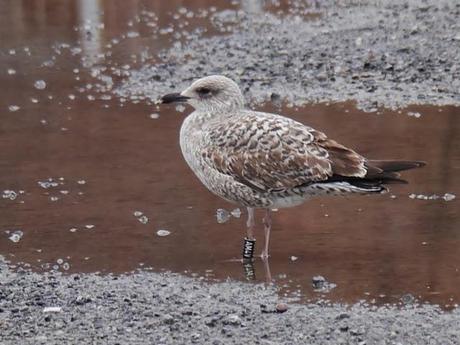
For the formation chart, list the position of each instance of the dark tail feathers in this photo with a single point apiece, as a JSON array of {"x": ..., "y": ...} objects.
[
  {"x": 394, "y": 166},
  {"x": 380, "y": 173},
  {"x": 387, "y": 172}
]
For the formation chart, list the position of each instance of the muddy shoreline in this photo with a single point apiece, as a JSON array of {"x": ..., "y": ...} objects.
[
  {"x": 391, "y": 55},
  {"x": 167, "y": 308}
]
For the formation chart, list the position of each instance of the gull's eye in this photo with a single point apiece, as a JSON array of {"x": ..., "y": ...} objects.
[{"x": 203, "y": 91}]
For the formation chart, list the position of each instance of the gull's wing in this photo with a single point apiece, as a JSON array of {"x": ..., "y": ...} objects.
[{"x": 269, "y": 152}]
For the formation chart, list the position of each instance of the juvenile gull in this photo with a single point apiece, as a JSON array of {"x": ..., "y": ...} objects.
[{"x": 263, "y": 160}]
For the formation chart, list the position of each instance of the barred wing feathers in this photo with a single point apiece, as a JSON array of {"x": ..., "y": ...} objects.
[{"x": 272, "y": 153}]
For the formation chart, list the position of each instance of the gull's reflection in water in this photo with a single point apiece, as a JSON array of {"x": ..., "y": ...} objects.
[{"x": 250, "y": 270}]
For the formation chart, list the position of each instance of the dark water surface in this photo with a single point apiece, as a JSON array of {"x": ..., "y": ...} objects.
[{"x": 106, "y": 161}]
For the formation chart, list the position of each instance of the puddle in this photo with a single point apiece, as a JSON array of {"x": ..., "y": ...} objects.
[{"x": 95, "y": 185}]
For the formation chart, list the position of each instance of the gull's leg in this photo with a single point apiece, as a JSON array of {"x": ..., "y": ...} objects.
[
  {"x": 249, "y": 241},
  {"x": 267, "y": 227},
  {"x": 251, "y": 223}
]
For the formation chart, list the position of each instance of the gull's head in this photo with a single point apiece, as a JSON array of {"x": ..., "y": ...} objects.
[{"x": 213, "y": 93}]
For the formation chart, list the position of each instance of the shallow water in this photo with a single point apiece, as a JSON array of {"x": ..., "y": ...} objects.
[{"x": 115, "y": 175}]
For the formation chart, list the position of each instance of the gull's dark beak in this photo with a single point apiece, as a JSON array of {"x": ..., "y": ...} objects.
[{"x": 172, "y": 98}]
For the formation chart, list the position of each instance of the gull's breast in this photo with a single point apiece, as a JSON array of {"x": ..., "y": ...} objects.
[{"x": 193, "y": 143}]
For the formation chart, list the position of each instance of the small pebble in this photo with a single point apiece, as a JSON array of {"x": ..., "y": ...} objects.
[
  {"x": 222, "y": 215},
  {"x": 40, "y": 84},
  {"x": 16, "y": 236},
  {"x": 14, "y": 108},
  {"x": 143, "y": 219},
  {"x": 448, "y": 197},
  {"x": 281, "y": 308},
  {"x": 236, "y": 213},
  {"x": 407, "y": 298},
  {"x": 163, "y": 233},
  {"x": 9, "y": 194},
  {"x": 232, "y": 319},
  {"x": 414, "y": 114},
  {"x": 52, "y": 309}
]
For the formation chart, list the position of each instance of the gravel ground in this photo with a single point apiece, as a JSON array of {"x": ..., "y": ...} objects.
[
  {"x": 154, "y": 308},
  {"x": 391, "y": 55}
]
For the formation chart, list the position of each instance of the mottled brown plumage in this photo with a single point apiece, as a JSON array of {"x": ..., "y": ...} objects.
[
  {"x": 266, "y": 160},
  {"x": 265, "y": 152}
]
